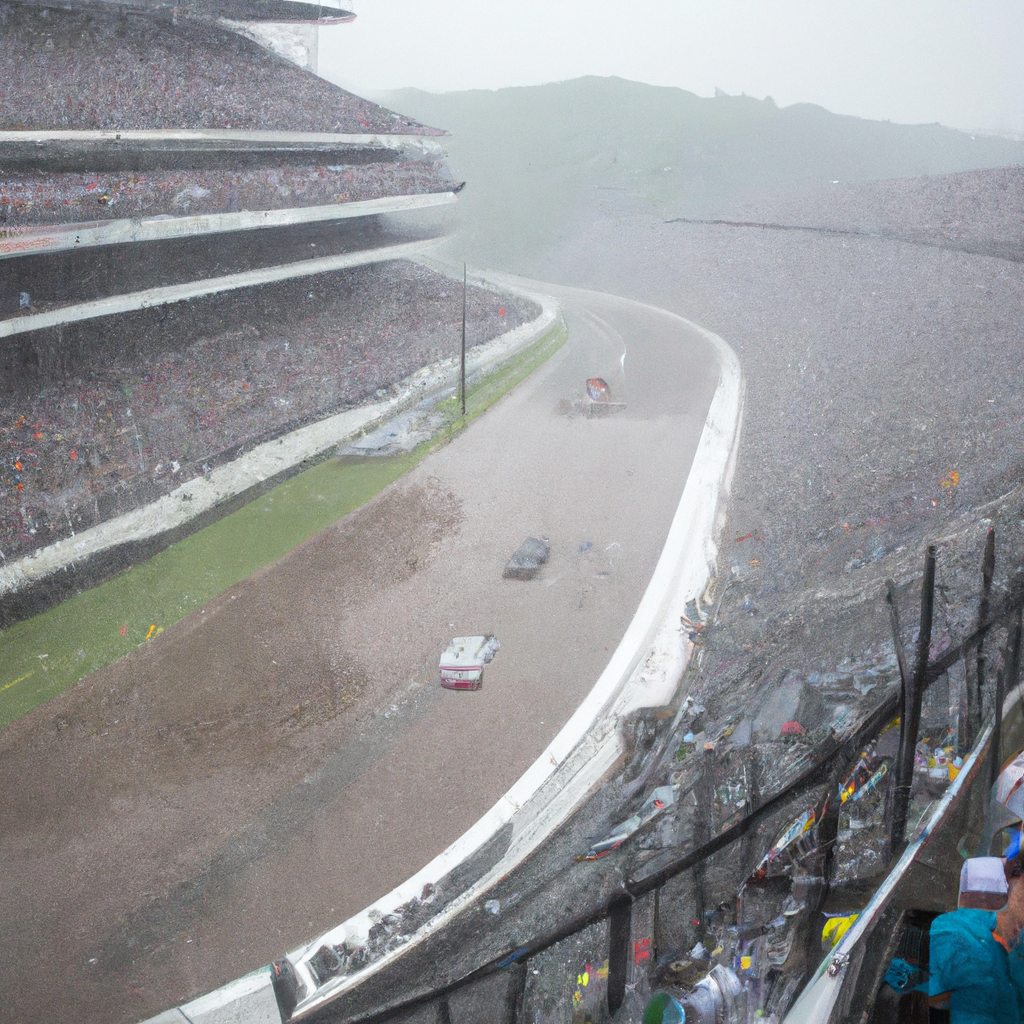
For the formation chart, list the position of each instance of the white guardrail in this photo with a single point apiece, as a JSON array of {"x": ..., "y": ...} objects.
[
  {"x": 129, "y": 302},
  {"x": 48, "y": 238},
  {"x": 643, "y": 671}
]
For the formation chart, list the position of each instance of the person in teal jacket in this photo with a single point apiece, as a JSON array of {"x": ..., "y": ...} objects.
[{"x": 976, "y": 965}]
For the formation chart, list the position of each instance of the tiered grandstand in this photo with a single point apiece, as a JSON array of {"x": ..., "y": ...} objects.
[{"x": 202, "y": 247}]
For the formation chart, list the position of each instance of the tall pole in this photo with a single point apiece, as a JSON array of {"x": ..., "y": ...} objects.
[
  {"x": 703, "y": 827},
  {"x": 1013, "y": 676},
  {"x": 897, "y": 640},
  {"x": 1006, "y": 682},
  {"x": 463, "y": 359}
]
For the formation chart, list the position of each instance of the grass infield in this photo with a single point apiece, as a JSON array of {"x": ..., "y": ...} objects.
[{"x": 42, "y": 656}]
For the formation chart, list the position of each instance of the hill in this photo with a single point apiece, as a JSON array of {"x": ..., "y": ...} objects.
[{"x": 544, "y": 162}]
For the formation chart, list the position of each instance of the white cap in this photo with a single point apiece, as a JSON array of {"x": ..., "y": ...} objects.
[{"x": 983, "y": 883}]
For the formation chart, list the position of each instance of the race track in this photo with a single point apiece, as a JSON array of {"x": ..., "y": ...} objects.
[{"x": 283, "y": 757}]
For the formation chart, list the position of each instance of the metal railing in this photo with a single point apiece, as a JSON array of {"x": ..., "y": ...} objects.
[{"x": 831, "y": 760}]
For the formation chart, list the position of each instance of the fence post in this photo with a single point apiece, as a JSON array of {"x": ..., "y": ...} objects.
[
  {"x": 897, "y": 640},
  {"x": 749, "y": 852},
  {"x": 515, "y": 993},
  {"x": 620, "y": 932},
  {"x": 901, "y": 655},
  {"x": 911, "y": 720},
  {"x": 988, "y": 568},
  {"x": 443, "y": 1010},
  {"x": 704, "y": 791},
  {"x": 1006, "y": 680},
  {"x": 994, "y": 761},
  {"x": 462, "y": 355},
  {"x": 1013, "y": 672}
]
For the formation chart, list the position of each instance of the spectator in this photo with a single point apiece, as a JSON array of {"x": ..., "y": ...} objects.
[
  {"x": 100, "y": 70},
  {"x": 976, "y": 963}
]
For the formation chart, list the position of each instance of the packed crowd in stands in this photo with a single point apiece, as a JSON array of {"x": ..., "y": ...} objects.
[
  {"x": 111, "y": 71},
  {"x": 978, "y": 211},
  {"x": 92, "y": 435},
  {"x": 30, "y": 199}
]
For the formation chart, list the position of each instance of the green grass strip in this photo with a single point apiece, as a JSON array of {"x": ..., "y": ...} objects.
[{"x": 42, "y": 656}]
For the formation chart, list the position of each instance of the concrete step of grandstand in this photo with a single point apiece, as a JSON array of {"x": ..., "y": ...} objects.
[
  {"x": 43, "y": 282},
  {"x": 192, "y": 149},
  {"x": 52, "y": 238},
  {"x": 277, "y": 11},
  {"x": 150, "y": 297}
]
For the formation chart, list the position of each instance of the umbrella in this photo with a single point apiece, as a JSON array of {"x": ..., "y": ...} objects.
[{"x": 1010, "y": 786}]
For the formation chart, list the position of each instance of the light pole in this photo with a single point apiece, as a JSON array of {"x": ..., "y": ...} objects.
[{"x": 463, "y": 358}]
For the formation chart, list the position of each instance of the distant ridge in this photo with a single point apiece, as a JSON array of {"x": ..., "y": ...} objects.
[{"x": 542, "y": 162}]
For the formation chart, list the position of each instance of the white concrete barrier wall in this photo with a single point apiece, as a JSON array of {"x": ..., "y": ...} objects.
[
  {"x": 249, "y": 1000},
  {"x": 155, "y": 139}
]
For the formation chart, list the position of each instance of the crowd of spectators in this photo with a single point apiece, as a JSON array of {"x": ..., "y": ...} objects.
[
  {"x": 159, "y": 396},
  {"x": 882, "y": 406},
  {"x": 975, "y": 211},
  {"x": 68, "y": 69},
  {"x": 69, "y": 198}
]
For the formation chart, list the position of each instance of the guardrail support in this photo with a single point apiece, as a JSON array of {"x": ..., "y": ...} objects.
[
  {"x": 1013, "y": 673},
  {"x": 897, "y": 641},
  {"x": 516, "y": 992},
  {"x": 994, "y": 760},
  {"x": 444, "y": 1013},
  {"x": 704, "y": 791}
]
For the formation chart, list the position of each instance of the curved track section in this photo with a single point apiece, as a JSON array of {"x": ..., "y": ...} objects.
[
  {"x": 281, "y": 823},
  {"x": 683, "y": 392},
  {"x": 644, "y": 670}
]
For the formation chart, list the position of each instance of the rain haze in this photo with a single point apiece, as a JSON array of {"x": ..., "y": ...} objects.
[
  {"x": 949, "y": 62},
  {"x": 507, "y": 512}
]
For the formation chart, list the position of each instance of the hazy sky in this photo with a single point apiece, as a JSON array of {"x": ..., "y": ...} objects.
[{"x": 960, "y": 62}]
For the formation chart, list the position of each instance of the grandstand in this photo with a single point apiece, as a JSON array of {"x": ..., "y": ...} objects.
[
  {"x": 272, "y": 11},
  {"x": 203, "y": 246}
]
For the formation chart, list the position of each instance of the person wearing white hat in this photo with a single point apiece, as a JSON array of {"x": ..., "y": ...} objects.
[{"x": 976, "y": 967}]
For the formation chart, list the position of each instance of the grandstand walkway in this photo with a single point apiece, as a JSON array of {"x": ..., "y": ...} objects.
[{"x": 304, "y": 760}]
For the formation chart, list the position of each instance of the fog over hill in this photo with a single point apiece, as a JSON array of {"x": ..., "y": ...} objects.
[{"x": 545, "y": 162}]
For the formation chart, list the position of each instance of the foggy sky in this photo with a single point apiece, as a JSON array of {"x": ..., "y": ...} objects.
[{"x": 903, "y": 60}]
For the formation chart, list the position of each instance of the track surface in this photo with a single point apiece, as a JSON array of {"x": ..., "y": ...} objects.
[{"x": 283, "y": 757}]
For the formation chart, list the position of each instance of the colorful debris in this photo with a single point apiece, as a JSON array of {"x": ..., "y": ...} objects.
[{"x": 660, "y": 798}]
